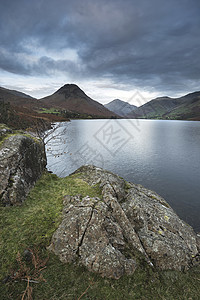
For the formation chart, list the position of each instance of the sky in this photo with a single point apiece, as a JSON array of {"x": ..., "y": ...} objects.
[{"x": 111, "y": 49}]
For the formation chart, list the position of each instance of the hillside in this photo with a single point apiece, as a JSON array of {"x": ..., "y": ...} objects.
[
  {"x": 189, "y": 110},
  {"x": 18, "y": 99},
  {"x": 120, "y": 107},
  {"x": 12, "y": 93},
  {"x": 71, "y": 102},
  {"x": 183, "y": 108},
  {"x": 72, "y": 99},
  {"x": 19, "y": 110}
]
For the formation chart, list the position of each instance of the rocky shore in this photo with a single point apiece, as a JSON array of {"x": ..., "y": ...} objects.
[{"x": 113, "y": 233}]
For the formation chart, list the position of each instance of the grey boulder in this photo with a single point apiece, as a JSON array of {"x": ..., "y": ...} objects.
[
  {"x": 127, "y": 226},
  {"x": 22, "y": 162}
]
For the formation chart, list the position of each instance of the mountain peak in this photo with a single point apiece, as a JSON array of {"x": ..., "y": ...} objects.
[
  {"x": 71, "y": 98},
  {"x": 69, "y": 87},
  {"x": 117, "y": 101},
  {"x": 71, "y": 90},
  {"x": 119, "y": 107}
]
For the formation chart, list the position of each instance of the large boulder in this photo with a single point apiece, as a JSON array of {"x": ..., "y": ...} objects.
[
  {"x": 129, "y": 224},
  {"x": 22, "y": 161}
]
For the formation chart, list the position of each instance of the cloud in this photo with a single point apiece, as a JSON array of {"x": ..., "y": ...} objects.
[{"x": 144, "y": 44}]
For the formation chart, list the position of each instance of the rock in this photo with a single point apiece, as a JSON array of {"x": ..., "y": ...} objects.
[
  {"x": 130, "y": 224},
  {"x": 90, "y": 234},
  {"x": 22, "y": 161},
  {"x": 4, "y": 130},
  {"x": 198, "y": 241},
  {"x": 168, "y": 241},
  {"x": 28, "y": 255}
]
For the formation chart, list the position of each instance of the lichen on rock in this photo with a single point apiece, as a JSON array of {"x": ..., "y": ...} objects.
[
  {"x": 112, "y": 235},
  {"x": 90, "y": 234},
  {"x": 4, "y": 130}
]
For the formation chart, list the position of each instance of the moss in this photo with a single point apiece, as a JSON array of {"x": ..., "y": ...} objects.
[
  {"x": 37, "y": 140},
  {"x": 160, "y": 232},
  {"x": 4, "y": 137},
  {"x": 3, "y": 126},
  {"x": 32, "y": 225},
  {"x": 166, "y": 218},
  {"x": 160, "y": 201},
  {"x": 127, "y": 186}
]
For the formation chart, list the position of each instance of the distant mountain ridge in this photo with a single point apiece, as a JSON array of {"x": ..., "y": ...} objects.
[
  {"x": 120, "y": 107},
  {"x": 71, "y": 102},
  {"x": 184, "y": 108},
  {"x": 71, "y": 98},
  {"x": 17, "y": 93},
  {"x": 14, "y": 96}
]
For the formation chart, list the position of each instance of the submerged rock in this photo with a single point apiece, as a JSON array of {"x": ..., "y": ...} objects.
[
  {"x": 112, "y": 235},
  {"x": 22, "y": 162}
]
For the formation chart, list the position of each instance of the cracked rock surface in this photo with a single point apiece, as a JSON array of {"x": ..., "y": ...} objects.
[
  {"x": 22, "y": 162},
  {"x": 130, "y": 224}
]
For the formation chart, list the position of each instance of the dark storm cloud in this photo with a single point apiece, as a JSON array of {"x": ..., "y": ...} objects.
[
  {"x": 20, "y": 64},
  {"x": 143, "y": 43}
]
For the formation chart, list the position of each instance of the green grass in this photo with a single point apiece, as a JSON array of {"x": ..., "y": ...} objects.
[
  {"x": 34, "y": 222},
  {"x": 32, "y": 225},
  {"x": 49, "y": 111}
]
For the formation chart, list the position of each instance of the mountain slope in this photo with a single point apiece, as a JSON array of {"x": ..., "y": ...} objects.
[
  {"x": 120, "y": 107},
  {"x": 17, "y": 98},
  {"x": 71, "y": 98},
  {"x": 185, "y": 108},
  {"x": 19, "y": 110},
  {"x": 186, "y": 111},
  {"x": 16, "y": 93}
]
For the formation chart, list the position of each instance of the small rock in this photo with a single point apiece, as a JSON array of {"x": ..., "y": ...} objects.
[
  {"x": 6, "y": 279},
  {"x": 28, "y": 255}
]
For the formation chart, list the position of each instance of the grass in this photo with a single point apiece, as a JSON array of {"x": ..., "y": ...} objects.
[
  {"x": 32, "y": 225},
  {"x": 49, "y": 111}
]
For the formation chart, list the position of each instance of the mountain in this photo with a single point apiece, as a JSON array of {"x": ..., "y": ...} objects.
[
  {"x": 19, "y": 110},
  {"x": 71, "y": 102},
  {"x": 183, "y": 108},
  {"x": 17, "y": 98},
  {"x": 72, "y": 99},
  {"x": 16, "y": 93},
  {"x": 120, "y": 107},
  {"x": 186, "y": 111}
]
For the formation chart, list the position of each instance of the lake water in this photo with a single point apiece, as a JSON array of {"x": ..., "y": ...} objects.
[{"x": 163, "y": 156}]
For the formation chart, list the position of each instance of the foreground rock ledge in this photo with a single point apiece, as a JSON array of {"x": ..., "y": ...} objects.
[
  {"x": 22, "y": 162},
  {"x": 112, "y": 235}
]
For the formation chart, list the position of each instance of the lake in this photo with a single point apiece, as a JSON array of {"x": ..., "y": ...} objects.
[{"x": 163, "y": 156}]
